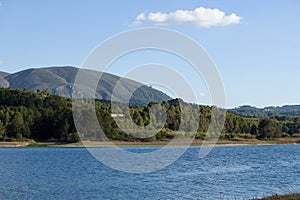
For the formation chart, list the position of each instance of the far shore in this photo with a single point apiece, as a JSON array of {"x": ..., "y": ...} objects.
[{"x": 221, "y": 142}]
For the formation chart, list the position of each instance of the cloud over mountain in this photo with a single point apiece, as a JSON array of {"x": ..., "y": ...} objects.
[{"x": 200, "y": 17}]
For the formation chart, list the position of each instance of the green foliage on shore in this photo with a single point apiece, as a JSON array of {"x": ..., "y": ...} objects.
[
  {"x": 34, "y": 115},
  {"x": 26, "y": 115}
]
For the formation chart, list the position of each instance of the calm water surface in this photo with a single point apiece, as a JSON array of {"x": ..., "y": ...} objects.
[{"x": 240, "y": 172}]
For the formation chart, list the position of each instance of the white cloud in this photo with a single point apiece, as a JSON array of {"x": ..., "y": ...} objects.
[
  {"x": 202, "y": 94},
  {"x": 1, "y": 62},
  {"x": 200, "y": 17}
]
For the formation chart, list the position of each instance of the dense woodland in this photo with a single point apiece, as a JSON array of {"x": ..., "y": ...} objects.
[{"x": 39, "y": 116}]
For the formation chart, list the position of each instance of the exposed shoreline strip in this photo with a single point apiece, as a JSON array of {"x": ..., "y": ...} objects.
[{"x": 154, "y": 143}]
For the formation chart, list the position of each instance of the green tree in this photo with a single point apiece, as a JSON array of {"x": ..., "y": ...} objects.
[
  {"x": 16, "y": 127},
  {"x": 267, "y": 129},
  {"x": 253, "y": 130},
  {"x": 2, "y": 131}
]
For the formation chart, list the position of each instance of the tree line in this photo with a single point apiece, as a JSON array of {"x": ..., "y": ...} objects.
[{"x": 40, "y": 116}]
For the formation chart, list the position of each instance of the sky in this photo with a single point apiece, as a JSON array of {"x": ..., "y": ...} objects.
[{"x": 254, "y": 44}]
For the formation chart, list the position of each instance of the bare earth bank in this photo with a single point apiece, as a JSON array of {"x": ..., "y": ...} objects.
[{"x": 178, "y": 142}]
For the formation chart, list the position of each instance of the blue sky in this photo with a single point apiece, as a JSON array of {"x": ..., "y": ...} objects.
[{"x": 258, "y": 57}]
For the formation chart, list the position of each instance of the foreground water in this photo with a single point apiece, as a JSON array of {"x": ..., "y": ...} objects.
[{"x": 239, "y": 172}]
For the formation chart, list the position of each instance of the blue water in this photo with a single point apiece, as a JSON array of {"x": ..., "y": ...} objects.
[{"x": 240, "y": 172}]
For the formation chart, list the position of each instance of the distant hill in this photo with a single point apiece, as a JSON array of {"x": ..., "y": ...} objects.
[
  {"x": 3, "y": 81},
  {"x": 60, "y": 81},
  {"x": 250, "y": 111},
  {"x": 3, "y": 74}
]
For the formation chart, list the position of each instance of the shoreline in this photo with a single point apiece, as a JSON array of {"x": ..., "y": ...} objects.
[{"x": 236, "y": 142}]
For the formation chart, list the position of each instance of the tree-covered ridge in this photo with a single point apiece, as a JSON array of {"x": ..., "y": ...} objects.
[
  {"x": 45, "y": 117},
  {"x": 271, "y": 111}
]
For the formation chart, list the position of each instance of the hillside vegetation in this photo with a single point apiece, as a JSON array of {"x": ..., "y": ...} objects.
[
  {"x": 45, "y": 117},
  {"x": 250, "y": 111}
]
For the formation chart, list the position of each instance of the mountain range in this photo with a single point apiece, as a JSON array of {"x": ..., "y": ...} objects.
[{"x": 60, "y": 81}]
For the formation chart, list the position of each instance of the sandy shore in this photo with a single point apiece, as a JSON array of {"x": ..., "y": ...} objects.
[
  {"x": 14, "y": 144},
  {"x": 182, "y": 143},
  {"x": 235, "y": 142}
]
